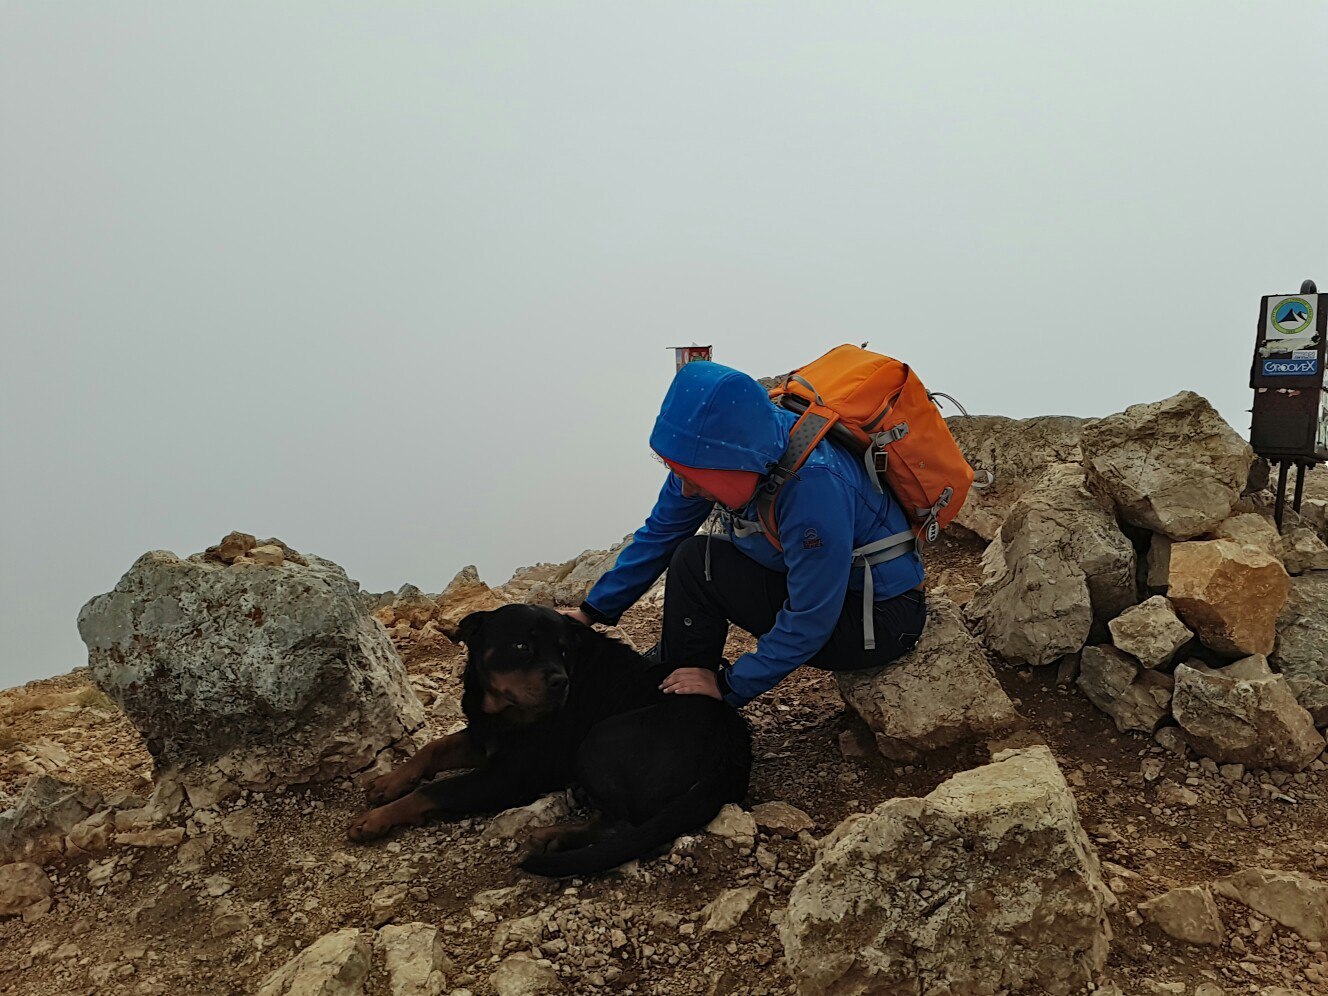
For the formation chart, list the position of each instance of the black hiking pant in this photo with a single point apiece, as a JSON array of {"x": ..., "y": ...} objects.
[{"x": 697, "y": 612}]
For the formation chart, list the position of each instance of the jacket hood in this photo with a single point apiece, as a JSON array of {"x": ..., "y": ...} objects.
[{"x": 718, "y": 418}]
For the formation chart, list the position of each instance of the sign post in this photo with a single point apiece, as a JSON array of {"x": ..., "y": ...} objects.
[
  {"x": 684, "y": 355},
  {"x": 1290, "y": 424}
]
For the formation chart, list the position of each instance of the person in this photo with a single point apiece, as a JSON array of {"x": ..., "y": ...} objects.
[{"x": 720, "y": 434}]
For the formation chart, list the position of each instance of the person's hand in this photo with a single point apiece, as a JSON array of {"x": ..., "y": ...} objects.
[
  {"x": 692, "y": 681},
  {"x": 576, "y": 614}
]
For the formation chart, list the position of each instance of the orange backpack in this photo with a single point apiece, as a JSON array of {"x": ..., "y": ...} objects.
[{"x": 875, "y": 406}]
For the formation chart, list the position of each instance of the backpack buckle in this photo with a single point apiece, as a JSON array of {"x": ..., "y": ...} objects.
[{"x": 880, "y": 460}]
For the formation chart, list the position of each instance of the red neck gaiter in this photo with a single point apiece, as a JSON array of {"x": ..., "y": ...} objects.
[{"x": 733, "y": 488}]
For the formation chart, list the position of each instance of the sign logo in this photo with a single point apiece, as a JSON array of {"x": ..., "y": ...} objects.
[
  {"x": 1291, "y": 368},
  {"x": 811, "y": 539},
  {"x": 1292, "y": 316}
]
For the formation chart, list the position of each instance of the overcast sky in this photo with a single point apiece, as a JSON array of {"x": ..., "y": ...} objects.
[{"x": 394, "y": 282}]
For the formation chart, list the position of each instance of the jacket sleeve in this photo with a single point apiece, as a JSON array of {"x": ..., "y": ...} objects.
[
  {"x": 673, "y": 519},
  {"x": 816, "y": 515}
]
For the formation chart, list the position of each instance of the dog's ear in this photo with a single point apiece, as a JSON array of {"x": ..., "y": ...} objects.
[
  {"x": 576, "y": 637},
  {"x": 468, "y": 630}
]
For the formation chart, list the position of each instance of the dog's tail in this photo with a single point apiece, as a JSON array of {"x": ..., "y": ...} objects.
[{"x": 693, "y": 809}]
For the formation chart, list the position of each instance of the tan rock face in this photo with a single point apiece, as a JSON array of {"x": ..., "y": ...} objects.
[
  {"x": 1229, "y": 594},
  {"x": 1061, "y": 566},
  {"x": 1173, "y": 467},
  {"x": 22, "y": 884},
  {"x": 1253, "y": 530},
  {"x": 1136, "y": 698},
  {"x": 47, "y": 810},
  {"x": 941, "y": 693},
  {"x": 989, "y": 884},
  {"x": 415, "y": 958},
  {"x": 1150, "y": 632},
  {"x": 1246, "y": 714},
  {"x": 1188, "y": 914},
  {"x": 464, "y": 594},
  {"x": 1017, "y": 452},
  {"x": 1292, "y": 899},
  {"x": 337, "y": 964},
  {"x": 1304, "y": 551}
]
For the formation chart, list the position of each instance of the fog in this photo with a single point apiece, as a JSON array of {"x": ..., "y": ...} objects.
[{"x": 395, "y": 283}]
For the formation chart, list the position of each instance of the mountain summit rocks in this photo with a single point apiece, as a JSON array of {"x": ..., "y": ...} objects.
[{"x": 270, "y": 673}]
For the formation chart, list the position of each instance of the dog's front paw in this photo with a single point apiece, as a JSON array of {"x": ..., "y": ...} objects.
[
  {"x": 371, "y": 825},
  {"x": 393, "y": 785}
]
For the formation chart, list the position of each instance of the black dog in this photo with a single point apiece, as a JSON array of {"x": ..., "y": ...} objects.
[{"x": 552, "y": 703}]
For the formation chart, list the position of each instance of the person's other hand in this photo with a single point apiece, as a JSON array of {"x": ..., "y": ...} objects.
[
  {"x": 578, "y": 615},
  {"x": 692, "y": 681}
]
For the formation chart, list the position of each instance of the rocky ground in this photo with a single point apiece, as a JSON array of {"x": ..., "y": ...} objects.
[{"x": 260, "y": 876}]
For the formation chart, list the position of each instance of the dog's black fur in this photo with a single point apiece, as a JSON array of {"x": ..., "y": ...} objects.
[{"x": 551, "y": 703}]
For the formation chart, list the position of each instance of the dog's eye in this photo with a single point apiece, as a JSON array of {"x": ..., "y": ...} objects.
[{"x": 523, "y": 647}]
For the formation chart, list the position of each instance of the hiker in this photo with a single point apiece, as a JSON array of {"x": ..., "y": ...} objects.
[{"x": 720, "y": 436}]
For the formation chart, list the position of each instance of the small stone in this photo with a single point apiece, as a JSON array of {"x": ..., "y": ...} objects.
[
  {"x": 781, "y": 819},
  {"x": 22, "y": 884},
  {"x": 733, "y": 823},
  {"x": 269, "y": 555},
  {"x": 1187, "y": 914},
  {"x": 726, "y": 910},
  {"x": 520, "y": 975}
]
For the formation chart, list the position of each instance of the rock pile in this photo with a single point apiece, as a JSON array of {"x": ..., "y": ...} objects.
[
  {"x": 988, "y": 885},
  {"x": 262, "y": 667},
  {"x": 1160, "y": 504}
]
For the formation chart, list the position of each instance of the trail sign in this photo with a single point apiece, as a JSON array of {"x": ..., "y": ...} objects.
[
  {"x": 684, "y": 355},
  {"x": 1290, "y": 424}
]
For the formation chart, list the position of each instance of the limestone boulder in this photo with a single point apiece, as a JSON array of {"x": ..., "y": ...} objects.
[
  {"x": 1313, "y": 695},
  {"x": 415, "y": 957},
  {"x": 46, "y": 810},
  {"x": 1150, "y": 632},
  {"x": 1187, "y": 914},
  {"x": 521, "y": 975},
  {"x": 464, "y": 594},
  {"x": 1292, "y": 899},
  {"x": 1135, "y": 698},
  {"x": 264, "y": 674},
  {"x": 1017, "y": 452},
  {"x": 584, "y": 571},
  {"x": 1157, "y": 574},
  {"x": 337, "y": 964},
  {"x": 22, "y": 884},
  {"x": 941, "y": 693},
  {"x": 1245, "y": 714},
  {"x": 1059, "y": 569},
  {"x": 1251, "y": 529},
  {"x": 1303, "y": 551},
  {"x": 410, "y": 606},
  {"x": 1302, "y": 629},
  {"x": 1173, "y": 467},
  {"x": 986, "y": 885},
  {"x": 1229, "y": 594}
]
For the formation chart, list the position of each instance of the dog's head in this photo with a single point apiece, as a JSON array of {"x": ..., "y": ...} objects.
[{"x": 519, "y": 663}]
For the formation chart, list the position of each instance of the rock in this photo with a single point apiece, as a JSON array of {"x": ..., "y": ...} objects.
[
  {"x": 231, "y": 548},
  {"x": 726, "y": 910},
  {"x": 240, "y": 825},
  {"x": 228, "y": 922},
  {"x": 1159, "y": 564},
  {"x": 1313, "y": 697},
  {"x": 1230, "y": 595},
  {"x": 1173, "y": 467},
  {"x": 1062, "y": 566},
  {"x": 1136, "y": 698},
  {"x": 1304, "y": 551},
  {"x": 1244, "y": 713},
  {"x": 22, "y": 884},
  {"x": 464, "y": 594},
  {"x": 521, "y": 975},
  {"x": 1292, "y": 899},
  {"x": 543, "y": 812},
  {"x": 517, "y": 932},
  {"x": 987, "y": 884},
  {"x": 269, "y": 555},
  {"x": 1252, "y": 530},
  {"x": 1017, "y": 452},
  {"x": 337, "y": 964},
  {"x": 47, "y": 809},
  {"x": 165, "y": 837},
  {"x": 781, "y": 819},
  {"x": 733, "y": 823},
  {"x": 941, "y": 693},
  {"x": 415, "y": 958},
  {"x": 410, "y": 606},
  {"x": 265, "y": 677},
  {"x": 1151, "y": 632},
  {"x": 1187, "y": 914},
  {"x": 584, "y": 571},
  {"x": 1172, "y": 740},
  {"x": 1302, "y": 630}
]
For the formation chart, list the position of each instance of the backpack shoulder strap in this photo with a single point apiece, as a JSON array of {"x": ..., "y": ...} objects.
[{"x": 813, "y": 426}]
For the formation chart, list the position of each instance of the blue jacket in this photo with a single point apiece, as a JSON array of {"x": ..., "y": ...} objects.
[{"x": 721, "y": 419}]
